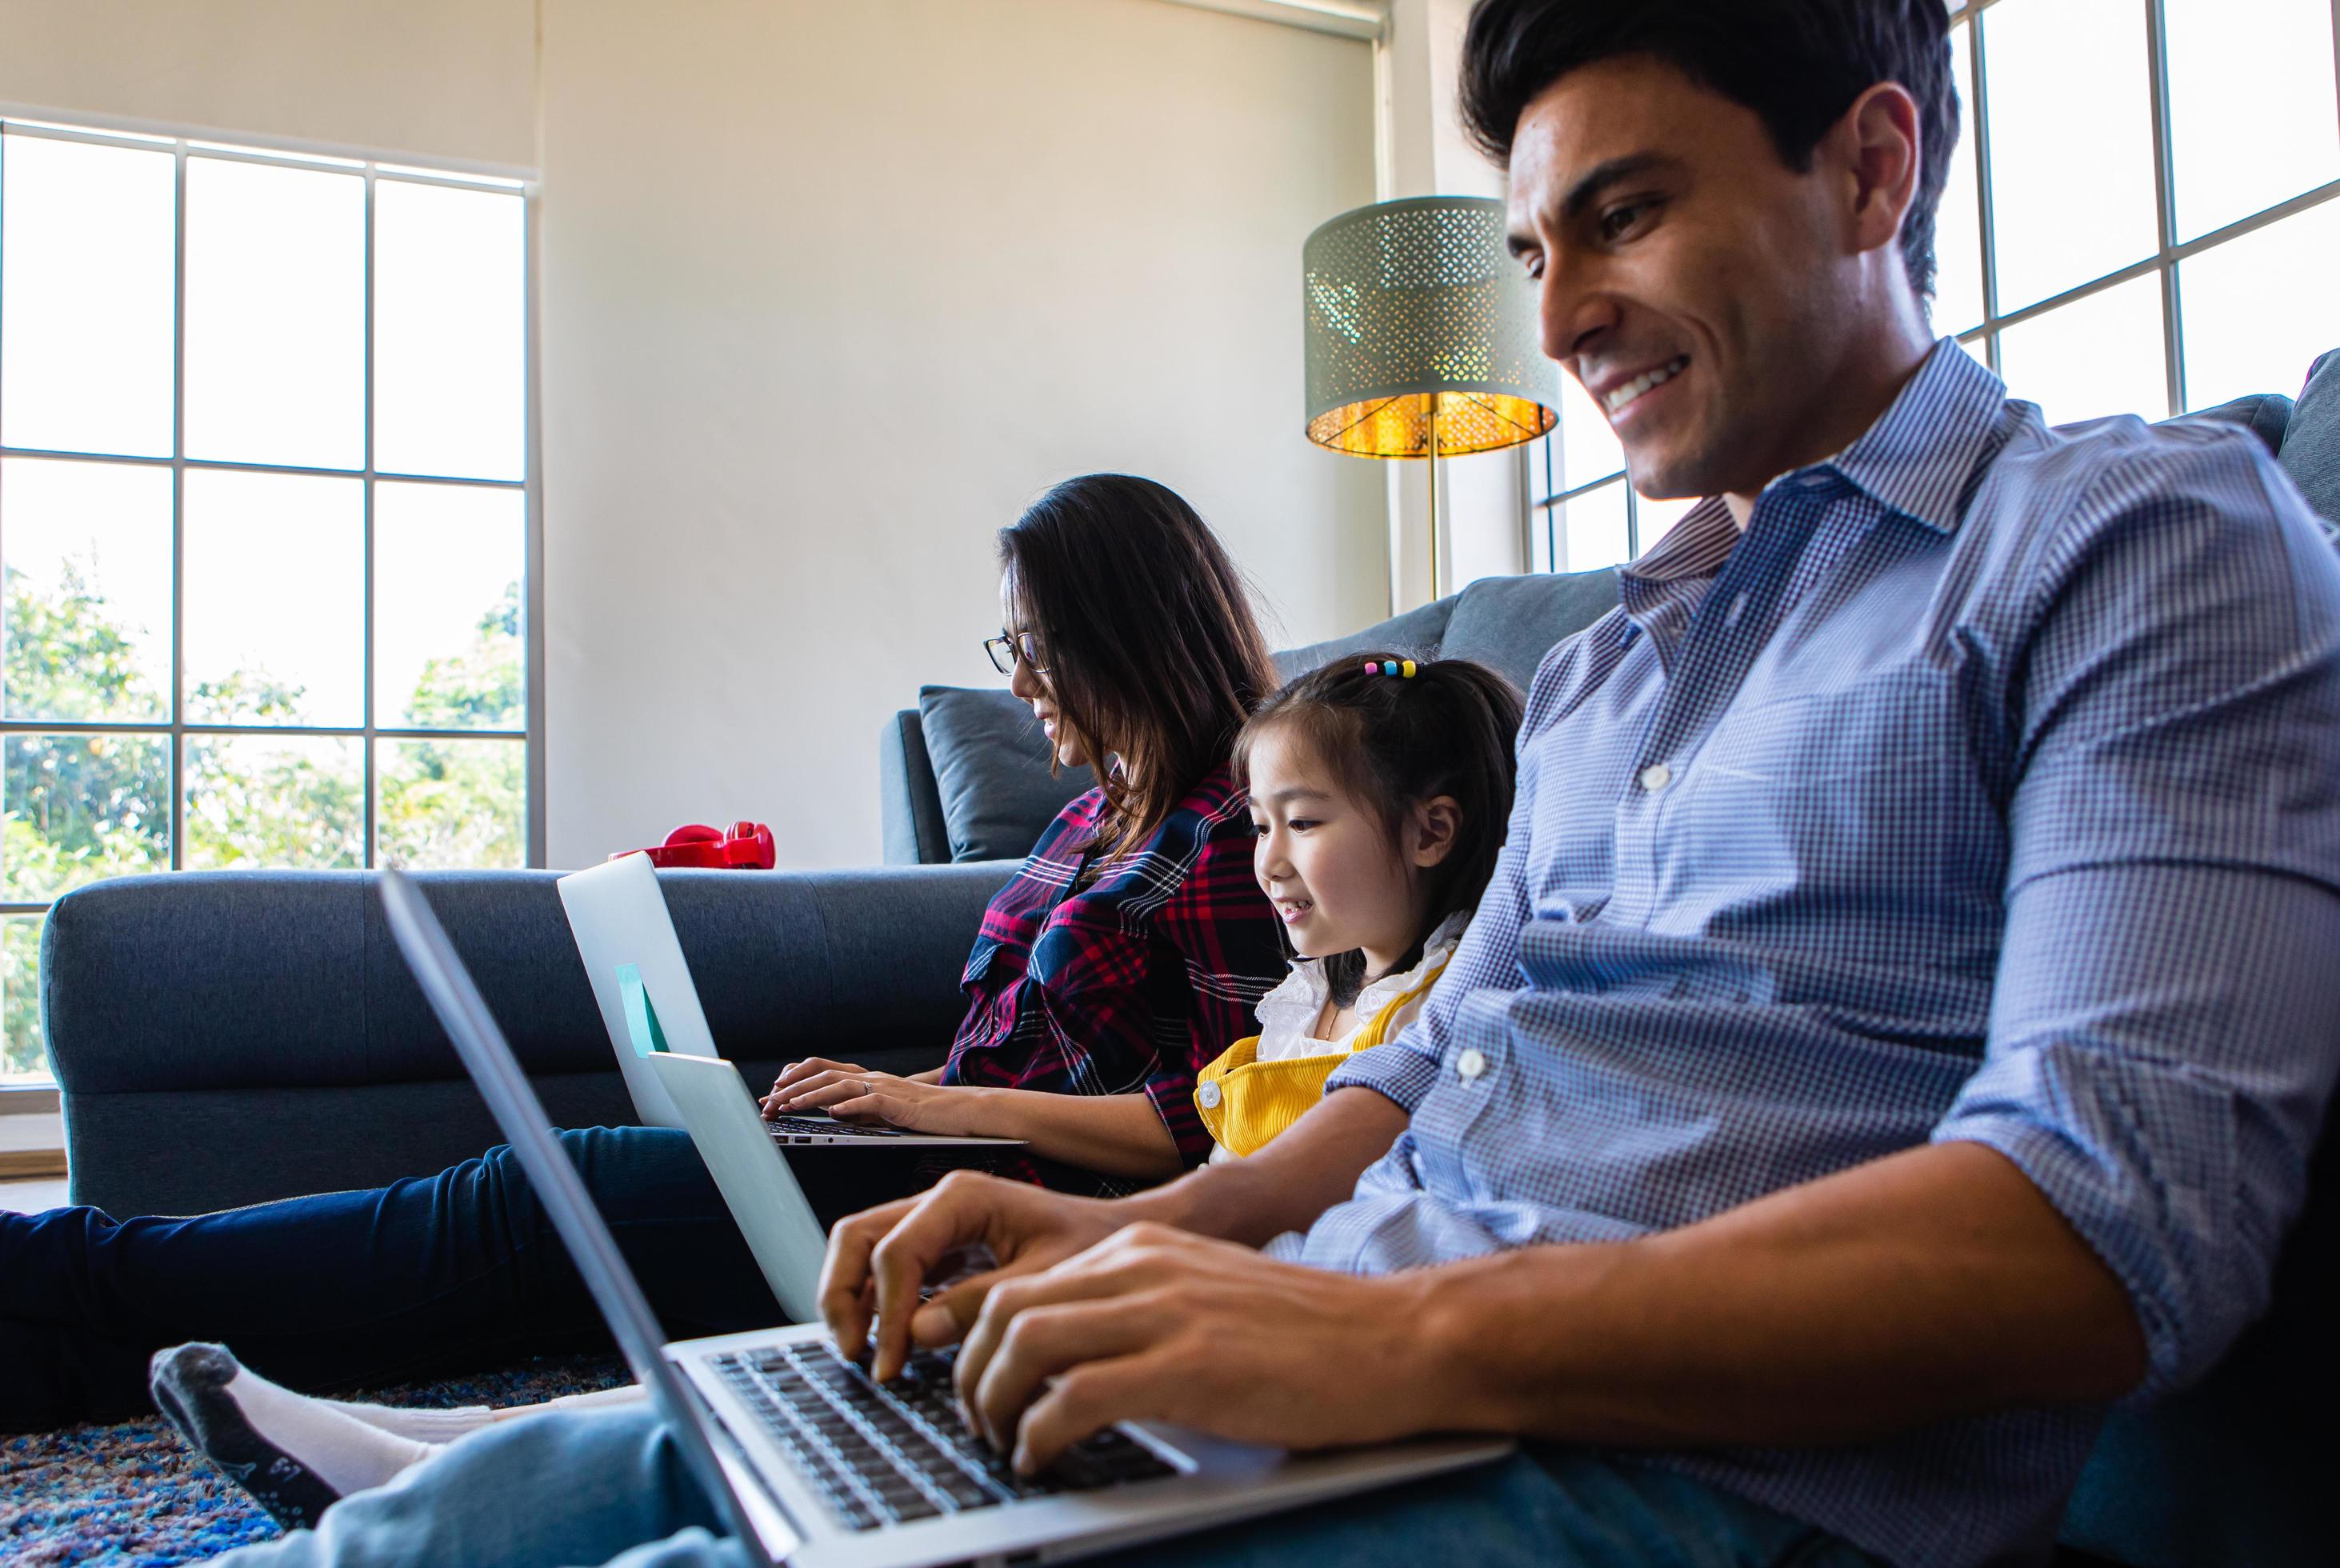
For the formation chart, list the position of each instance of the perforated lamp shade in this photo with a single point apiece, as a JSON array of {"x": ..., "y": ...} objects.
[{"x": 1422, "y": 332}]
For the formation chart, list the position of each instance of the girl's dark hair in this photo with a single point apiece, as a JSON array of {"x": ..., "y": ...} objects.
[
  {"x": 1392, "y": 741},
  {"x": 1798, "y": 63},
  {"x": 1148, "y": 637}
]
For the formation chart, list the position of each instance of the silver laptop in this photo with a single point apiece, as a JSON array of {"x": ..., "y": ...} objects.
[
  {"x": 635, "y": 965},
  {"x": 816, "y": 1465},
  {"x": 727, "y": 1127}
]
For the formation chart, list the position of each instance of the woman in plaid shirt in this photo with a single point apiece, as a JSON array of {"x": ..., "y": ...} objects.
[{"x": 1132, "y": 945}]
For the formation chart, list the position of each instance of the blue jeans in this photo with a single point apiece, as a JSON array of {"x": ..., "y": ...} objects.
[
  {"x": 572, "y": 1489},
  {"x": 366, "y": 1287}
]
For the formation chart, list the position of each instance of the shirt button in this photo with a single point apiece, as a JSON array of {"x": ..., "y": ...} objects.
[
  {"x": 1656, "y": 777},
  {"x": 1471, "y": 1064},
  {"x": 1208, "y": 1096}
]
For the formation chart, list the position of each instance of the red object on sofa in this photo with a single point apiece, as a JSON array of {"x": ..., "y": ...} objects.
[{"x": 747, "y": 846}]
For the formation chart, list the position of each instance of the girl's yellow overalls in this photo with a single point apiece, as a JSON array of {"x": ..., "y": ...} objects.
[{"x": 1245, "y": 1101}]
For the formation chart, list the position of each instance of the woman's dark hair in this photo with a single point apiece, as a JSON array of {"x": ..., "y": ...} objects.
[
  {"x": 1147, "y": 634},
  {"x": 1798, "y": 63},
  {"x": 1392, "y": 741}
]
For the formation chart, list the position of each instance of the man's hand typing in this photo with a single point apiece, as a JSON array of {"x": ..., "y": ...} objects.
[
  {"x": 880, "y": 1260},
  {"x": 1158, "y": 1323}
]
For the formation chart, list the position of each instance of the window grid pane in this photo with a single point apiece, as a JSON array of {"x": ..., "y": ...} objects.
[
  {"x": 275, "y": 329},
  {"x": 86, "y": 319},
  {"x": 98, "y": 637},
  {"x": 1958, "y": 229},
  {"x": 268, "y": 801},
  {"x": 2259, "y": 309},
  {"x": 2096, "y": 356},
  {"x": 24, "y": 1055},
  {"x": 2054, "y": 231},
  {"x": 2252, "y": 119}
]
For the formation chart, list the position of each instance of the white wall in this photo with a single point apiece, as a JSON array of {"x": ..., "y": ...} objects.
[
  {"x": 431, "y": 78},
  {"x": 830, "y": 291}
]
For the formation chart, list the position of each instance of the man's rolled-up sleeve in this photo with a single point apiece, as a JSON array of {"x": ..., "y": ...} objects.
[{"x": 2166, "y": 1025}]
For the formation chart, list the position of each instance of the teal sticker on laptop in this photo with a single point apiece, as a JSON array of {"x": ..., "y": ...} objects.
[{"x": 642, "y": 1018}]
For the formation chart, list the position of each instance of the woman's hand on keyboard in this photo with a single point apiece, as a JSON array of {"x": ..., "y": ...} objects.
[
  {"x": 880, "y": 1260},
  {"x": 796, "y": 1076},
  {"x": 858, "y": 1095}
]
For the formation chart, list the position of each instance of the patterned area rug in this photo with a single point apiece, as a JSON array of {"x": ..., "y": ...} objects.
[{"x": 136, "y": 1494}]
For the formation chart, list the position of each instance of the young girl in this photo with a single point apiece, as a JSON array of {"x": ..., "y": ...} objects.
[{"x": 1380, "y": 789}]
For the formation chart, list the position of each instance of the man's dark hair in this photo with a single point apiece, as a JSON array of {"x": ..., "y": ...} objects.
[{"x": 1798, "y": 63}]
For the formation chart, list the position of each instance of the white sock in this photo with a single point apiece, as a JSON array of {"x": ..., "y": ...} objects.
[
  {"x": 251, "y": 1427},
  {"x": 422, "y": 1425},
  {"x": 347, "y": 1453}
]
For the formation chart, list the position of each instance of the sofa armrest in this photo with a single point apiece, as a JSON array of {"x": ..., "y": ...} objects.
[{"x": 909, "y": 800}]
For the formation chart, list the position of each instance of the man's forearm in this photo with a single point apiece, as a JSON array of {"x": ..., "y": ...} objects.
[
  {"x": 1310, "y": 1166},
  {"x": 1932, "y": 1283}
]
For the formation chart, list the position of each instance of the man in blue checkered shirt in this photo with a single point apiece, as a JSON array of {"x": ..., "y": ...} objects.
[{"x": 1903, "y": 1013}]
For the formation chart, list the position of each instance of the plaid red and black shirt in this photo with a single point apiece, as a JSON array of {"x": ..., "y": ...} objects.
[{"x": 1128, "y": 982}]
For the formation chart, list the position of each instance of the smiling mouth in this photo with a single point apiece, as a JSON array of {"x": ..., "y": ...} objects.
[
  {"x": 1648, "y": 380},
  {"x": 1294, "y": 909}
]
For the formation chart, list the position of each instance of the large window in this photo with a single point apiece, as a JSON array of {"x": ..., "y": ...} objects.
[
  {"x": 265, "y": 521},
  {"x": 2141, "y": 219}
]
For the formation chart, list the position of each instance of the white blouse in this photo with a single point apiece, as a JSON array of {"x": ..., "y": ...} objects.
[{"x": 1288, "y": 1014}]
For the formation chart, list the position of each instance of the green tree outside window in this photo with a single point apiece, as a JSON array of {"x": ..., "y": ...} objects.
[{"x": 74, "y": 807}]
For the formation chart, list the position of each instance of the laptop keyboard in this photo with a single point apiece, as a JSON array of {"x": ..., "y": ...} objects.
[
  {"x": 784, "y": 1128},
  {"x": 894, "y": 1453}
]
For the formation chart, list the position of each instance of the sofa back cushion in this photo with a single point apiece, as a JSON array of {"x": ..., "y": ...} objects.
[
  {"x": 1510, "y": 624},
  {"x": 991, "y": 771},
  {"x": 1417, "y": 633},
  {"x": 2311, "y": 442}
]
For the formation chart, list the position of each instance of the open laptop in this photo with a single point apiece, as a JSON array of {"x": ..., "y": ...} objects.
[
  {"x": 635, "y": 965},
  {"x": 814, "y": 1465}
]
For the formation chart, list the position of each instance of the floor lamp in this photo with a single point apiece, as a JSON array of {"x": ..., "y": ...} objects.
[{"x": 1422, "y": 337}]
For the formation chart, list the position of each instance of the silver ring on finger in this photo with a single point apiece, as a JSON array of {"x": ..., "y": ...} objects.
[{"x": 865, "y": 1087}]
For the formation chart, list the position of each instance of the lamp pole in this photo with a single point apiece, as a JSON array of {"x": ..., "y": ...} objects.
[{"x": 1434, "y": 495}]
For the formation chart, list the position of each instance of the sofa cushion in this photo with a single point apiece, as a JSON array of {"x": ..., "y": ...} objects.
[
  {"x": 1417, "y": 632},
  {"x": 1509, "y": 624},
  {"x": 991, "y": 770},
  {"x": 2311, "y": 442},
  {"x": 2265, "y": 415}
]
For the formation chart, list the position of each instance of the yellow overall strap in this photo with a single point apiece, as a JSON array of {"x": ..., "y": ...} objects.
[
  {"x": 1375, "y": 1033},
  {"x": 1245, "y": 1102}
]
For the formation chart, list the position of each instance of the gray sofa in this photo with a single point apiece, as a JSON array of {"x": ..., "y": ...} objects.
[{"x": 228, "y": 1037}]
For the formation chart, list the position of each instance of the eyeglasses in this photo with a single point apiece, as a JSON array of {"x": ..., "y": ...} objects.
[{"x": 1006, "y": 650}]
